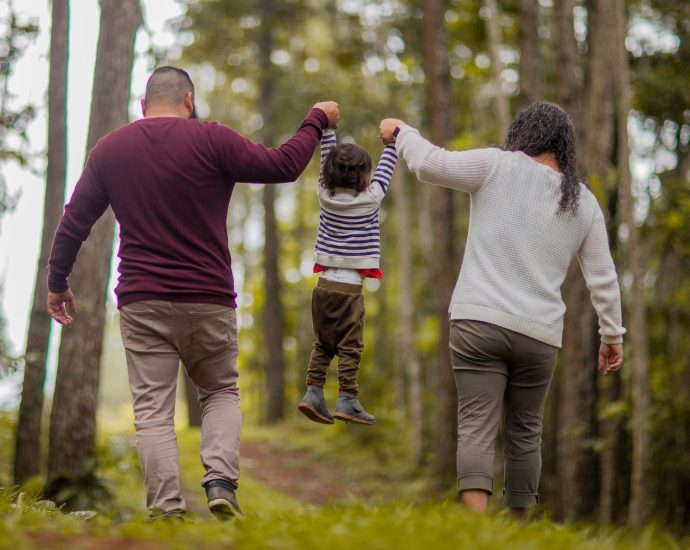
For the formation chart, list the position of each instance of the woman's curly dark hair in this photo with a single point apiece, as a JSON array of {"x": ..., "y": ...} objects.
[
  {"x": 347, "y": 165},
  {"x": 546, "y": 128}
]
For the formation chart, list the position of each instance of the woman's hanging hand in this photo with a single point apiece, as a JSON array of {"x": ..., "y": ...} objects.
[{"x": 610, "y": 358}]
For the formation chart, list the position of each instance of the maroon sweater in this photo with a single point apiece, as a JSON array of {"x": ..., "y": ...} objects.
[{"x": 169, "y": 182}]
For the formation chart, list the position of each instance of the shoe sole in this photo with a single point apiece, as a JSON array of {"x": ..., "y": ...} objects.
[
  {"x": 312, "y": 414},
  {"x": 222, "y": 509},
  {"x": 349, "y": 418}
]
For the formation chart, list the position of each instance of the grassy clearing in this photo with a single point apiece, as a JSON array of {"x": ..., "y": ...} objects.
[
  {"x": 356, "y": 525},
  {"x": 274, "y": 520}
]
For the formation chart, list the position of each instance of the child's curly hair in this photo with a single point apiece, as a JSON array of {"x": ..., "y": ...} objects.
[{"x": 347, "y": 165}]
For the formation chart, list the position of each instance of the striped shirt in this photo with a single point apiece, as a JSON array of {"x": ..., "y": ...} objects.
[{"x": 349, "y": 234}]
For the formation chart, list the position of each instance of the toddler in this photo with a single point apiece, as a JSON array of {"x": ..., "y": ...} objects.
[{"x": 347, "y": 251}]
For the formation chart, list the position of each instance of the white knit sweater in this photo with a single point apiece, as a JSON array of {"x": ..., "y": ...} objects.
[{"x": 519, "y": 247}]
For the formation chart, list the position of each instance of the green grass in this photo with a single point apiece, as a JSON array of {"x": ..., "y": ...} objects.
[
  {"x": 274, "y": 520},
  {"x": 355, "y": 525}
]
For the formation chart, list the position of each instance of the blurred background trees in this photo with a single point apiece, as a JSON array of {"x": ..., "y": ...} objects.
[{"x": 615, "y": 449}]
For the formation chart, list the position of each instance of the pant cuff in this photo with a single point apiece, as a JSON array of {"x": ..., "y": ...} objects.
[
  {"x": 520, "y": 500},
  {"x": 471, "y": 482}
]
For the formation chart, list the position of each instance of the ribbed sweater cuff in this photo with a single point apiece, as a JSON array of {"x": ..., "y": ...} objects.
[
  {"x": 617, "y": 339},
  {"x": 57, "y": 284}
]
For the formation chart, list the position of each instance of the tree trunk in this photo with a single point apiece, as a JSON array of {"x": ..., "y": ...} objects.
[
  {"x": 577, "y": 406},
  {"x": 27, "y": 458},
  {"x": 407, "y": 334},
  {"x": 493, "y": 27},
  {"x": 438, "y": 100},
  {"x": 641, "y": 494},
  {"x": 273, "y": 310},
  {"x": 569, "y": 75},
  {"x": 73, "y": 418},
  {"x": 531, "y": 79},
  {"x": 192, "y": 399}
]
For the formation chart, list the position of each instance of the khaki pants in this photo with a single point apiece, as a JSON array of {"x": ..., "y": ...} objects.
[
  {"x": 501, "y": 377},
  {"x": 337, "y": 312},
  {"x": 156, "y": 336}
]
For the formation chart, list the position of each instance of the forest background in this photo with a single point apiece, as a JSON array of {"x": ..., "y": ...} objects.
[{"x": 616, "y": 450}]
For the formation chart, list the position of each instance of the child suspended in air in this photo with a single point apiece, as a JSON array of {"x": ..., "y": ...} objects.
[{"x": 348, "y": 248}]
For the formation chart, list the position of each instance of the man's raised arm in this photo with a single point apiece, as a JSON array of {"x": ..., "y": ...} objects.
[{"x": 246, "y": 161}]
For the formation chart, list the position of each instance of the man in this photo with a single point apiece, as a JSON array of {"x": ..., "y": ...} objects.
[{"x": 169, "y": 178}]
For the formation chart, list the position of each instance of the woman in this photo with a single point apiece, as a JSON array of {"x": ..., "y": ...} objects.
[{"x": 529, "y": 217}]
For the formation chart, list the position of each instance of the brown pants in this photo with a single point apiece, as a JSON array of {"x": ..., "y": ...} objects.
[
  {"x": 501, "y": 377},
  {"x": 337, "y": 312},
  {"x": 157, "y": 335}
]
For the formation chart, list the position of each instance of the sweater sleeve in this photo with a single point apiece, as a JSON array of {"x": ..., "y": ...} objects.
[
  {"x": 87, "y": 204},
  {"x": 462, "y": 170},
  {"x": 600, "y": 275},
  {"x": 328, "y": 142},
  {"x": 243, "y": 160},
  {"x": 384, "y": 172}
]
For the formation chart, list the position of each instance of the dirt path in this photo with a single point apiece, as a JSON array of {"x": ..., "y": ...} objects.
[{"x": 297, "y": 473}]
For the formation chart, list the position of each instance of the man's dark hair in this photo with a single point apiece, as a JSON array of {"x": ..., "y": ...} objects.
[
  {"x": 168, "y": 85},
  {"x": 347, "y": 165},
  {"x": 546, "y": 128}
]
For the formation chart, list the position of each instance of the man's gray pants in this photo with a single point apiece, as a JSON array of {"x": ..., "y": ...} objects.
[
  {"x": 502, "y": 377},
  {"x": 157, "y": 335}
]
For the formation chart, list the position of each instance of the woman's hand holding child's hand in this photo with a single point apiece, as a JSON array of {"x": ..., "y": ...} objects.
[{"x": 387, "y": 129}]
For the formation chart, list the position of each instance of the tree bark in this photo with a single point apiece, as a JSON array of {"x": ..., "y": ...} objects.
[
  {"x": 408, "y": 344},
  {"x": 531, "y": 78},
  {"x": 73, "y": 418},
  {"x": 192, "y": 399},
  {"x": 273, "y": 309},
  {"x": 27, "y": 457},
  {"x": 438, "y": 100},
  {"x": 577, "y": 464},
  {"x": 569, "y": 75},
  {"x": 493, "y": 27},
  {"x": 641, "y": 494}
]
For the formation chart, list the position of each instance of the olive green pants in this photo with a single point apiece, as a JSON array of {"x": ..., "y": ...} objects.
[
  {"x": 337, "y": 312},
  {"x": 502, "y": 377}
]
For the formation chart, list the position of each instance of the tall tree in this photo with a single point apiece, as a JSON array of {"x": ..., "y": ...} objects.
[
  {"x": 407, "y": 332},
  {"x": 27, "y": 457},
  {"x": 531, "y": 60},
  {"x": 438, "y": 102},
  {"x": 192, "y": 399},
  {"x": 578, "y": 390},
  {"x": 569, "y": 73},
  {"x": 273, "y": 308},
  {"x": 641, "y": 494},
  {"x": 73, "y": 417},
  {"x": 493, "y": 27}
]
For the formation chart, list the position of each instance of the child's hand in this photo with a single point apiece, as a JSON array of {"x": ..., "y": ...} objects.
[{"x": 387, "y": 129}]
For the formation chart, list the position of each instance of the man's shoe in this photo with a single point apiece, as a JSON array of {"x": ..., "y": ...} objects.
[
  {"x": 349, "y": 409},
  {"x": 314, "y": 407},
  {"x": 222, "y": 500}
]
